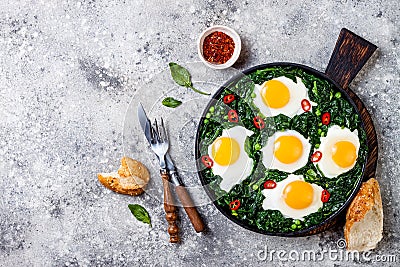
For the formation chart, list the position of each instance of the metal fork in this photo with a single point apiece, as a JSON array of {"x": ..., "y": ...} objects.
[{"x": 160, "y": 144}]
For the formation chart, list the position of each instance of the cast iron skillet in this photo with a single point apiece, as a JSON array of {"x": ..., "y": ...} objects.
[{"x": 349, "y": 56}]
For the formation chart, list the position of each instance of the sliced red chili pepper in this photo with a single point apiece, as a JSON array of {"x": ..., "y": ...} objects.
[
  {"x": 259, "y": 122},
  {"x": 316, "y": 156},
  {"x": 229, "y": 98},
  {"x": 325, "y": 196},
  {"x": 207, "y": 161},
  {"x": 269, "y": 184},
  {"x": 305, "y": 105},
  {"x": 326, "y": 118},
  {"x": 233, "y": 116},
  {"x": 234, "y": 205}
]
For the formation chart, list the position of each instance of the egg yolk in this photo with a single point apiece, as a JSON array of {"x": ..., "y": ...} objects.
[
  {"x": 288, "y": 149},
  {"x": 298, "y": 194},
  {"x": 225, "y": 151},
  {"x": 344, "y": 154},
  {"x": 275, "y": 94}
]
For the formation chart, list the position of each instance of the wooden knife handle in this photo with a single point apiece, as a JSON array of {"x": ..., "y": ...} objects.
[
  {"x": 170, "y": 210},
  {"x": 190, "y": 208}
]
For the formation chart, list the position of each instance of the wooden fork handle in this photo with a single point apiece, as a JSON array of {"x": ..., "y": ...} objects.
[
  {"x": 170, "y": 209},
  {"x": 190, "y": 208}
]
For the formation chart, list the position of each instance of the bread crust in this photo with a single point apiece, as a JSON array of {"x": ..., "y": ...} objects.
[
  {"x": 131, "y": 178},
  {"x": 121, "y": 185},
  {"x": 367, "y": 197}
]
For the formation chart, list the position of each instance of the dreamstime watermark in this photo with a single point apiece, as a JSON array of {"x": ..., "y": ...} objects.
[{"x": 339, "y": 253}]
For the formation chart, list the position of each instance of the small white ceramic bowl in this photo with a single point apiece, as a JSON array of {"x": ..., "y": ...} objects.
[{"x": 229, "y": 31}]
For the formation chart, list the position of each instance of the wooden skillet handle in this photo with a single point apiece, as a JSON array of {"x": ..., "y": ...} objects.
[
  {"x": 190, "y": 208},
  {"x": 170, "y": 209},
  {"x": 349, "y": 56}
]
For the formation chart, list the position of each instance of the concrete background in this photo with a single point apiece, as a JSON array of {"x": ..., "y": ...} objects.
[{"x": 68, "y": 73}]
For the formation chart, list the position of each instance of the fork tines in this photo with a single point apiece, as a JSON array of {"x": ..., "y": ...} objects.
[
  {"x": 158, "y": 133},
  {"x": 164, "y": 131}
]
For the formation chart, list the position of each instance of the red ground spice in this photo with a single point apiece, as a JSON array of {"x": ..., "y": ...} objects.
[{"x": 218, "y": 47}]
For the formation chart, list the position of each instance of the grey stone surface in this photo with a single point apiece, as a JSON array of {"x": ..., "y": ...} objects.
[{"x": 69, "y": 70}]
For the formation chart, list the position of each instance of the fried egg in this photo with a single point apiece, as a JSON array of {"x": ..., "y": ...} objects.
[
  {"x": 281, "y": 96},
  {"x": 286, "y": 151},
  {"x": 231, "y": 162},
  {"x": 339, "y": 151},
  {"x": 293, "y": 197}
]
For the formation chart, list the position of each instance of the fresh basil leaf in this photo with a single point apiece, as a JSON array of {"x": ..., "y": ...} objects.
[
  {"x": 140, "y": 213},
  {"x": 171, "y": 102},
  {"x": 182, "y": 77}
]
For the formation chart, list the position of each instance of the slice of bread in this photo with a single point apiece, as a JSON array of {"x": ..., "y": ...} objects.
[
  {"x": 131, "y": 178},
  {"x": 364, "y": 218},
  {"x": 131, "y": 167}
]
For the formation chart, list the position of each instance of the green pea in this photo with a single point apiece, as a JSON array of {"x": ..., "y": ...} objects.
[
  {"x": 257, "y": 146},
  {"x": 322, "y": 134},
  {"x": 255, "y": 186},
  {"x": 234, "y": 213},
  {"x": 225, "y": 117},
  {"x": 205, "y": 121},
  {"x": 338, "y": 95},
  {"x": 317, "y": 146},
  {"x": 208, "y": 115},
  {"x": 320, "y": 124},
  {"x": 212, "y": 109},
  {"x": 297, "y": 222},
  {"x": 318, "y": 112},
  {"x": 319, "y": 131},
  {"x": 294, "y": 226},
  {"x": 253, "y": 95}
]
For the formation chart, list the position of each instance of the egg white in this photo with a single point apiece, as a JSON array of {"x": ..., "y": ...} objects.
[
  {"x": 238, "y": 171},
  {"x": 335, "y": 133},
  {"x": 271, "y": 162},
  {"x": 297, "y": 90},
  {"x": 274, "y": 199}
]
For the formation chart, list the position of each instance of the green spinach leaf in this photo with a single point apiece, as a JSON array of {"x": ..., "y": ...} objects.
[
  {"x": 140, "y": 213},
  {"x": 171, "y": 102},
  {"x": 182, "y": 77}
]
